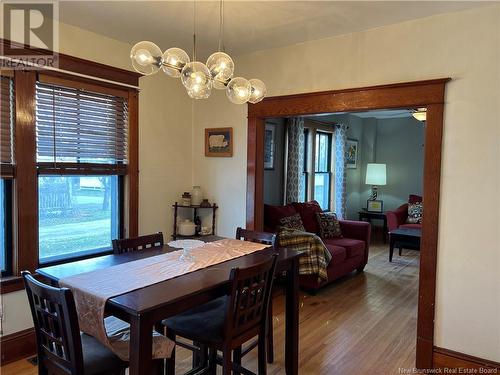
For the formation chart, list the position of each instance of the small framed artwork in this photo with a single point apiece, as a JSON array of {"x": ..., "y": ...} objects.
[
  {"x": 219, "y": 142},
  {"x": 269, "y": 146},
  {"x": 351, "y": 153},
  {"x": 374, "y": 206}
]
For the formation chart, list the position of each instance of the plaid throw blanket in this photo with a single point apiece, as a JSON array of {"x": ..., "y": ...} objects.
[{"x": 316, "y": 257}]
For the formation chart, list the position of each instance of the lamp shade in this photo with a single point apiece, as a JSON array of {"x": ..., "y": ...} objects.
[{"x": 376, "y": 174}]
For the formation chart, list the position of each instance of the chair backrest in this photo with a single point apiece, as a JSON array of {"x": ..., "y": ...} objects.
[
  {"x": 249, "y": 299},
  {"x": 254, "y": 236},
  {"x": 59, "y": 344},
  {"x": 126, "y": 245}
]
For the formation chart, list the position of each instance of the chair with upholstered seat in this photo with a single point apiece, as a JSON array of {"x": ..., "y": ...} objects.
[
  {"x": 61, "y": 348},
  {"x": 125, "y": 245},
  {"x": 228, "y": 322}
]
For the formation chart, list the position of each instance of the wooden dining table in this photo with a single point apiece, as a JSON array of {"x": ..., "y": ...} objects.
[{"x": 144, "y": 308}]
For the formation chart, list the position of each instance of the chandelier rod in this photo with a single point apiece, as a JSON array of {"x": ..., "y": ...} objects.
[
  {"x": 221, "y": 24},
  {"x": 194, "y": 30}
]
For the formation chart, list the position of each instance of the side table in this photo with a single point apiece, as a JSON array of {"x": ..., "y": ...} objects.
[{"x": 369, "y": 216}]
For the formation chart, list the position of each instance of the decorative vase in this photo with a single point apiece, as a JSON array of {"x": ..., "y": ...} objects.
[{"x": 196, "y": 196}]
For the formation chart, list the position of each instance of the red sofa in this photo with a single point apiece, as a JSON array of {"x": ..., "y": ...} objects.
[
  {"x": 349, "y": 252},
  {"x": 397, "y": 218}
]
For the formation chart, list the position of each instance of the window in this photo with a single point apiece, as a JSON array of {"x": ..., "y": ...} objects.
[
  {"x": 81, "y": 159},
  {"x": 6, "y": 171},
  {"x": 322, "y": 169}
]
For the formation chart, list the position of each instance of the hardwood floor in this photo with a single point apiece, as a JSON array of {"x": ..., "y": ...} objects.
[{"x": 362, "y": 324}]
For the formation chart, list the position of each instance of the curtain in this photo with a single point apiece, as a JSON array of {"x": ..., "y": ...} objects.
[
  {"x": 295, "y": 186},
  {"x": 340, "y": 170}
]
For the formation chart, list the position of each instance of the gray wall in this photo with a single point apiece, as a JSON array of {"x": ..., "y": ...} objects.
[
  {"x": 396, "y": 142},
  {"x": 400, "y": 144},
  {"x": 274, "y": 179}
]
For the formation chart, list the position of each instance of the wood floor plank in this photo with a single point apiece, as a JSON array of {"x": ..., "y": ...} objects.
[{"x": 362, "y": 324}]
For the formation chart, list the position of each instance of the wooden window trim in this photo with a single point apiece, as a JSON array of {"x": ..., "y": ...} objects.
[
  {"x": 429, "y": 94},
  {"x": 25, "y": 187}
]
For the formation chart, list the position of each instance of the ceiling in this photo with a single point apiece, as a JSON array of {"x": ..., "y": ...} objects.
[{"x": 249, "y": 25}]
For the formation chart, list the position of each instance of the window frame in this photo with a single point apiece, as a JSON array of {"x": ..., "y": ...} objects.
[
  {"x": 8, "y": 253},
  {"x": 24, "y": 253},
  {"x": 313, "y": 127},
  {"x": 328, "y": 170}
]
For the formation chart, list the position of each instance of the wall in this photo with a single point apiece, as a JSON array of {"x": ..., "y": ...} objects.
[
  {"x": 400, "y": 145},
  {"x": 274, "y": 182},
  {"x": 464, "y": 46},
  {"x": 164, "y": 147}
]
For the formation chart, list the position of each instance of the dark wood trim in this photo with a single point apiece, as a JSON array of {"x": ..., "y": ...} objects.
[
  {"x": 133, "y": 166},
  {"x": 76, "y": 65},
  {"x": 398, "y": 95},
  {"x": 11, "y": 284},
  {"x": 26, "y": 182},
  {"x": 18, "y": 345},
  {"x": 445, "y": 358},
  {"x": 429, "y": 94}
]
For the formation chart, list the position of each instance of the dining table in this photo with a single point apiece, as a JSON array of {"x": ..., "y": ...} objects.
[{"x": 143, "y": 308}]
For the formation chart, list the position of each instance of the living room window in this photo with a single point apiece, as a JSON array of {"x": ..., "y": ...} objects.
[
  {"x": 322, "y": 169},
  {"x": 81, "y": 137}
]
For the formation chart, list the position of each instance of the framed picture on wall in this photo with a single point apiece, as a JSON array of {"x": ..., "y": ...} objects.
[
  {"x": 351, "y": 153},
  {"x": 269, "y": 146},
  {"x": 219, "y": 142}
]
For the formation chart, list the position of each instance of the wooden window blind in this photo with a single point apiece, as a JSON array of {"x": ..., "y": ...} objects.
[
  {"x": 80, "y": 131},
  {"x": 6, "y": 126}
]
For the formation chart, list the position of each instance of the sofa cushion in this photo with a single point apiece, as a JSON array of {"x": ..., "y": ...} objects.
[
  {"x": 414, "y": 198},
  {"x": 329, "y": 225},
  {"x": 338, "y": 254},
  {"x": 308, "y": 211},
  {"x": 353, "y": 247},
  {"x": 411, "y": 226},
  {"x": 293, "y": 222},
  {"x": 273, "y": 214}
]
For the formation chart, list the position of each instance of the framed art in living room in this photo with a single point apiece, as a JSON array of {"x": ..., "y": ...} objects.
[{"x": 374, "y": 206}]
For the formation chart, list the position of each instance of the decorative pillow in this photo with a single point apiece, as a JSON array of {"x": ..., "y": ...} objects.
[
  {"x": 329, "y": 225},
  {"x": 415, "y": 211},
  {"x": 293, "y": 222}
]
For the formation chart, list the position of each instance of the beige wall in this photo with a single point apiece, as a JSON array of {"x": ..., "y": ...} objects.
[
  {"x": 164, "y": 147},
  {"x": 464, "y": 46}
]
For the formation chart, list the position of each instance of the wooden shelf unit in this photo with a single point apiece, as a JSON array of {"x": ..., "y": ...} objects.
[{"x": 195, "y": 209}]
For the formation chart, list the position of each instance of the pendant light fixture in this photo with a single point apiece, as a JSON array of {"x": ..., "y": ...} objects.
[{"x": 199, "y": 78}]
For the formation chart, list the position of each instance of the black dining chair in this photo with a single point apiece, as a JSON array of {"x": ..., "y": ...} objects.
[
  {"x": 228, "y": 322},
  {"x": 61, "y": 348},
  {"x": 125, "y": 245},
  {"x": 267, "y": 239}
]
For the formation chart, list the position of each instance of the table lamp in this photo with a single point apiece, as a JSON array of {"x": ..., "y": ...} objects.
[{"x": 375, "y": 175}]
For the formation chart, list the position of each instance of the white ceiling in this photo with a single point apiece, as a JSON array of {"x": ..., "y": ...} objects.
[
  {"x": 379, "y": 114},
  {"x": 249, "y": 25}
]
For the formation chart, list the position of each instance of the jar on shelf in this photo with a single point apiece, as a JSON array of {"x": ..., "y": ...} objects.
[
  {"x": 186, "y": 199},
  {"x": 196, "y": 196}
]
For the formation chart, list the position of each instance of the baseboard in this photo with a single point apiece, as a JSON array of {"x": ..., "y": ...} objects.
[
  {"x": 18, "y": 345},
  {"x": 445, "y": 358}
]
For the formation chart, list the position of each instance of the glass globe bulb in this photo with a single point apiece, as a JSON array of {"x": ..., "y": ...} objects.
[
  {"x": 221, "y": 68},
  {"x": 238, "y": 90},
  {"x": 146, "y": 57},
  {"x": 258, "y": 91},
  {"x": 197, "y": 80},
  {"x": 175, "y": 59}
]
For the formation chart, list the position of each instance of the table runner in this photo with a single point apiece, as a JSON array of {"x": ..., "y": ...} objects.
[{"x": 91, "y": 290}]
